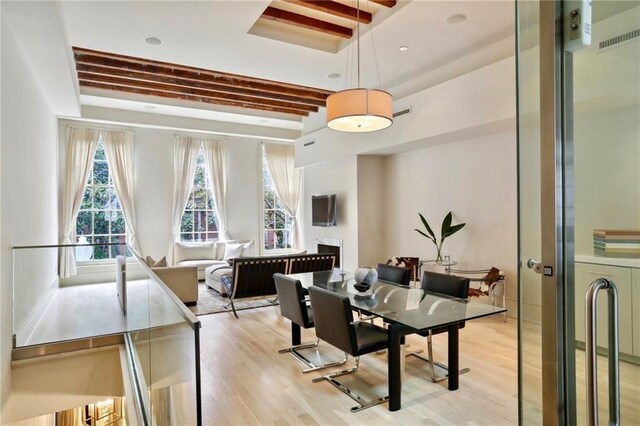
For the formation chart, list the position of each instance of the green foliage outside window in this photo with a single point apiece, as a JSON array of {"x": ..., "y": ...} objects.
[
  {"x": 200, "y": 218},
  {"x": 277, "y": 223},
  {"x": 100, "y": 219}
]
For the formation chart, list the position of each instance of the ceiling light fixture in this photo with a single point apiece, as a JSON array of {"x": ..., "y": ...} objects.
[
  {"x": 154, "y": 41},
  {"x": 335, "y": 75},
  {"x": 403, "y": 48},
  {"x": 358, "y": 109}
]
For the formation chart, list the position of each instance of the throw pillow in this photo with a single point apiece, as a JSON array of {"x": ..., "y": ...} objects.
[
  {"x": 248, "y": 249},
  {"x": 194, "y": 251},
  {"x": 160, "y": 263},
  {"x": 233, "y": 250},
  {"x": 150, "y": 261}
]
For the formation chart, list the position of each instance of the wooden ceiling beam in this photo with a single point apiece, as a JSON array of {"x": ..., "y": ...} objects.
[
  {"x": 385, "y": 3},
  {"x": 194, "y": 98},
  {"x": 97, "y": 71},
  {"x": 113, "y": 60},
  {"x": 176, "y": 91},
  {"x": 301, "y": 21},
  {"x": 334, "y": 8}
]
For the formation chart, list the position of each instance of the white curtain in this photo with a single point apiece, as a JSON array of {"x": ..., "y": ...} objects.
[
  {"x": 81, "y": 147},
  {"x": 216, "y": 165},
  {"x": 185, "y": 155},
  {"x": 118, "y": 146},
  {"x": 287, "y": 183}
]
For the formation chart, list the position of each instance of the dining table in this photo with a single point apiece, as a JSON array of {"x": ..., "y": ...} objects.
[{"x": 406, "y": 310}]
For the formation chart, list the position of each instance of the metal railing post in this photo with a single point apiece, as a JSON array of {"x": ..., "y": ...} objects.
[{"x": 591, "y": 354}]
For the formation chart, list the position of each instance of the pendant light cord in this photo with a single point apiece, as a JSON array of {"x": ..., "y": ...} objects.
[{"x": 358, "y": 37}]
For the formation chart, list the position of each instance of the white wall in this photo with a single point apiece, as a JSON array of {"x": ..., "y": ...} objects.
[
  {"x": 337, "y": 177},
  {"x": 29, "y": 188},
  {"x": 371, "y": 215},
  {"x": 476, "y": 180},
  {"x": 153, "y": 186}
]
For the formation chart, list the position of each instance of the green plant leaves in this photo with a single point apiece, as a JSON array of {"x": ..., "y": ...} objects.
[
  {"x": 447, "y": 229},
  {"x": 431, "y": 235}
]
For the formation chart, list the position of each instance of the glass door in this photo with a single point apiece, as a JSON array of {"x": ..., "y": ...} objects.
[{"x": 579, "y": 203}]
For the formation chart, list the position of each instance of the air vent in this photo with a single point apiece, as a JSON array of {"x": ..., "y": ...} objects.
[
  {"x": 310, "y": 143},
  {"x": 402, "y": 112},
  {"x": 608, "y": 44}
]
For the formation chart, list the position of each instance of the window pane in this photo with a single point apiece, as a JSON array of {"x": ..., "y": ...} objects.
[
  {"x": 101, "y": 224},
  {"x": 117, "y": 222},
  {"x": 84, "y": 225},
  {"x": 269, "y": 239},
  {"x": 100, "y": 154},
  {"x": 202, "y": 236},
  {"x": 119, "y": 249},
  {"x": 100, "y": 173},
  {"x": 212, "y": 236},
  {"x": 199, "y": 180},
  {"x": 114, "y": 203},
  {"x": 211, "y": 205},
  {"x": 190, "y": 201},
  {"x": 212, "y": 222},
  {"x": 186, "y": 237},
  {"x": 269, "y": 219},
  {"x": 200, "y": 198},
  {"x": 87, "y": 198},
  {"x": 187, "y": 221},
  {"x": 199, "y": 220},
  {"x": 101, "y": 197},
  {"x": 101, "y": 251},
  {"x": 279, "y": 216}
]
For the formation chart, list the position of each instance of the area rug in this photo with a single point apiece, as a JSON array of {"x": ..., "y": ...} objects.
[{"x": 211, "y": 302}]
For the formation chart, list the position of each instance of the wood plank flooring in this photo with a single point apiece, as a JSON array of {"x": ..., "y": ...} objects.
[{"x": 245, "y": 381}]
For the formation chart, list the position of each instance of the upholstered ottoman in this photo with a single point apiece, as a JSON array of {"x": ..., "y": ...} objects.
[{"x": 213, "y": 277}]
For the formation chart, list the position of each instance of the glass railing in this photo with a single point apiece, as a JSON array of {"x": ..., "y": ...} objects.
[{"x": 93, "y": 307}]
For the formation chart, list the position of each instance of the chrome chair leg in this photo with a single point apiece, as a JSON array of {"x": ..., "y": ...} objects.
[
  {"x": 312, "y": 367},
  {"x": 432, "y": 364},
  {"x": 362, "y": 403}
]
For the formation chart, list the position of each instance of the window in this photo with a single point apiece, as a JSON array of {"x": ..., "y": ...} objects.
[
  {"x": 277, "y": 223},
  {"x": 100, "y": 219},
  {"x": 200, "y": 218}
]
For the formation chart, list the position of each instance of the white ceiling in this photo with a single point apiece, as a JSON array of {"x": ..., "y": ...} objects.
[{"x": 213, "y": 34}]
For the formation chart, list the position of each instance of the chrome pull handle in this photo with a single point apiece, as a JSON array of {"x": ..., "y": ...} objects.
[
  {"x": 591, "y": 351},
  {"x": 534, "y": 265}
]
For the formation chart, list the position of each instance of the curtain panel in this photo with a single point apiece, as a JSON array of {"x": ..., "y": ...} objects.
[
  {"x": 81, "y": 147},
  {"x": 287, "y": 182},
  {"x": 118, "y": 146},
  {"x": 216, "y": 165},
  {"x": 185, "y": 156}
]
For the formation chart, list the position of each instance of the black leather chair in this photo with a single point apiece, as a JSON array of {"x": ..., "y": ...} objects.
[
  {"x": 334, "y": 322},
  {"x": 294, "y": 307},
  {"x": 394, "y": 274},
  {"x": 449, "y": 285}
]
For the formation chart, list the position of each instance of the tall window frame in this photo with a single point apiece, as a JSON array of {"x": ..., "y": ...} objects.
[
  {"x": 100, "y": 219},
  {"x": 199, "y": 220},
  {"x": 277, "y": 224}
]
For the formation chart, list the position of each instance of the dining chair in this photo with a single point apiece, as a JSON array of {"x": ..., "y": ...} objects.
[
  {"x": 294, "y": 307},
  {"x": 448, "y": 285},
  {"x": 333, "y": 317},
  {"x": 394, "y": 274}
]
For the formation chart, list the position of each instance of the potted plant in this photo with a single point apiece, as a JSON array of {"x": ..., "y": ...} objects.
[{"x": 447, "y": 230}]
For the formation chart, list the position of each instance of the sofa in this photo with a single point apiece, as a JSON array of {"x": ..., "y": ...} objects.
[
  {"x": 205, "y": 254},
  {"x": 181, "y": 280},
  {"x": 255, "y": 274}
]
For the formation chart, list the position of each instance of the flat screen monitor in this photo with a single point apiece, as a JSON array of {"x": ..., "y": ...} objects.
[{"x": 323, "y": 210}]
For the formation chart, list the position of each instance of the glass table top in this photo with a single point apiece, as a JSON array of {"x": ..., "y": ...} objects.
[{"x": 413, "y": 307}]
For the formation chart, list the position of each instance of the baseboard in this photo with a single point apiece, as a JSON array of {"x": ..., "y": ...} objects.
[{"x": 31, "y": 322}]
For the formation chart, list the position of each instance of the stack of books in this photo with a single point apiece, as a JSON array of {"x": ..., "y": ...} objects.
[{"x": 616, "y": 242}]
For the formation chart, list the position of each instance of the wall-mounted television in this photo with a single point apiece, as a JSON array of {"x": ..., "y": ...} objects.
[{"x": 323, "y": 210}]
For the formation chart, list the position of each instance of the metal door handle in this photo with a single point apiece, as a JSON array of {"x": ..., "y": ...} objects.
[
  {"x": 534, "y": 265},
  {"x": 592, "y": 356}
]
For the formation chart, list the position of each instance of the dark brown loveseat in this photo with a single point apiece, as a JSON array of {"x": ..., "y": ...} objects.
[{"x": 253, "y": 276}]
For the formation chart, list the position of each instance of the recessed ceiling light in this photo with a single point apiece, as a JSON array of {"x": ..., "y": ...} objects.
[
  {"x": 154, "y": 41},
  {"x": 334, "y": 75},
  {"x": 403, "y": 48},
  {"x": 457, "y": 18}
]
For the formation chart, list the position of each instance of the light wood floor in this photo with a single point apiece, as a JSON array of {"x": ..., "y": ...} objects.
[{"x": 245, "y": 381}]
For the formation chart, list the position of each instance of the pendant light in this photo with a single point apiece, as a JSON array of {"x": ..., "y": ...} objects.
[{"x": 359, "y": 109}]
